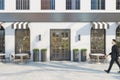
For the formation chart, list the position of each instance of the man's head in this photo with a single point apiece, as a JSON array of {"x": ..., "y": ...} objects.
[{"x": 114, "y": 41}]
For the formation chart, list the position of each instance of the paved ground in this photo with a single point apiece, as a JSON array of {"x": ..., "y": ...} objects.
[{"x": 57, "y": 71}]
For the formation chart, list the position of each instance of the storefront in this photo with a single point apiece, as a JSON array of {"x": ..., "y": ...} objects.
[
  {"x": 58, "y": 38},
  {"x": 58, "y": 33}
]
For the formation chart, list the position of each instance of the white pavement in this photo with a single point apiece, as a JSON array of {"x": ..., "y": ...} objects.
[{"x": 57, "y": 71}]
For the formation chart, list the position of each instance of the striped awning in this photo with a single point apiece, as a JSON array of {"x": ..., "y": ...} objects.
[
  {"x": 20, "y": 25},
  {"x": 100, "y": 25}
]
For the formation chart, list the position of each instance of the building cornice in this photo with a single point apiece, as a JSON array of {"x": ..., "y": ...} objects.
[{"x": 60, "y": 17}]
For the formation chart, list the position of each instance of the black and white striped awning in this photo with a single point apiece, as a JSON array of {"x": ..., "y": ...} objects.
[
  {"x": 20, "y": 25},
  {"x": 100, "y": 25}
]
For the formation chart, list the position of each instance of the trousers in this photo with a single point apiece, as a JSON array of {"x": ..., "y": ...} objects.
[{"x": 111, "y": 63}]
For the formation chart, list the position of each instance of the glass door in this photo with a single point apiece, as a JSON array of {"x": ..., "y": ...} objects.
[{"x": 60, "y": 44}]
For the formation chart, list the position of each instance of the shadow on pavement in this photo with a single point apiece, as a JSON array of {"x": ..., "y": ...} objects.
[{"x": 57, "y": 66}]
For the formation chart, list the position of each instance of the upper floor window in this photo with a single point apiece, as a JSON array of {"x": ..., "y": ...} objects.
[
  {"x": 72, "y": 4},
  {"x": 22, "y": 4},
  {"x": 47, "y": 4},
  {"x": 2, "y": 4},
  {"x": 117, "y": 4},
  {"x": 97, "y": 4}
]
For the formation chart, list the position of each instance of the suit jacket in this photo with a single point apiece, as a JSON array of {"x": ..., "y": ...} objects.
[{"x": 115, "y": 52}]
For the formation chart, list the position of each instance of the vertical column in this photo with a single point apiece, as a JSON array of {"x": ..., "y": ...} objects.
[
  {"x": 35, "y": 5},
  {"x": 9, "y": 38},
  {"x": 110, "y": 34},
  {"x": 110, "y": 5},
  {"x": 60, "y": 5},
  {"x": 9, "y": 5},
  {"x": 85, "y": 5}
]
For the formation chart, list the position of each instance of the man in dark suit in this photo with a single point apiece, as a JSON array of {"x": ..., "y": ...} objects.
[{"x": 114, "y": 56}]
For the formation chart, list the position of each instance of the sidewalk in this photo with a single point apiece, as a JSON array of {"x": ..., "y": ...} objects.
[{"x": 57, "y": 70}]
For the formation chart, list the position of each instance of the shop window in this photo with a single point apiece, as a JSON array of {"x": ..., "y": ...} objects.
[
  {"x": 97, "y": 40},
  {"x": 2, "y": 40},
  {"x": 118, "y": 37},
  {"x": 22, "y": 41}
]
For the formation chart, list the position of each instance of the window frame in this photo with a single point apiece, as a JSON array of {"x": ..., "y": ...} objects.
[
  {"x": 47, "y": 4},
  {"x": 22, "y": 4},
  {"x": 73, "y": 4},
  {"x": 117, "y": 4},
  {"x": 104, "y": 48},
  {"x": 2, "y": 4},
  {"x": 18, "y": 47},
  {"x": 2, "y": 47},
  {"x": 98, "y": 4},
  {"x": 118, "y": 37}
]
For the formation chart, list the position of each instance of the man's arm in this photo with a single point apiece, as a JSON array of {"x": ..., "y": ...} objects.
[
  {"x": 117, "y": 51},
  {"x": 108, "y": 54}
]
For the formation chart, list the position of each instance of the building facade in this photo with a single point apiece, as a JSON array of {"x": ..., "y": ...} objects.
[{"x": 59, "y": 26}]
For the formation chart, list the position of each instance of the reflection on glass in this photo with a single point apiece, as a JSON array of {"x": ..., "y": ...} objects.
[
  {"x": 2, "y": 39},
  {"x": 48, "y": 4},
  {"x": 22, "y": 40},
  {"x": 2, "y": 4},
  {"x": 59, "y": 44},
  {"x": 72, "y": 4},
  {"x": 22, "y": 4},
  {"x": 97, "y": 4},
  {"x": 117, "y": 4},
  {"x": 118, "y": 37},
  {"x": 97, "y": 40}
]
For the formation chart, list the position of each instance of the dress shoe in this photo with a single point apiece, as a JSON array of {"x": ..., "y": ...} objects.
[{"x": 106, "y": 71}]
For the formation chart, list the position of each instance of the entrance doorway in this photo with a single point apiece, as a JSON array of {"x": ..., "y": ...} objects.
[{"x": 60, "y": 44}]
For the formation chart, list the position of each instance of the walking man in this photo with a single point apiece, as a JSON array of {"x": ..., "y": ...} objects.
[{"x": 114, "y": 56}]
